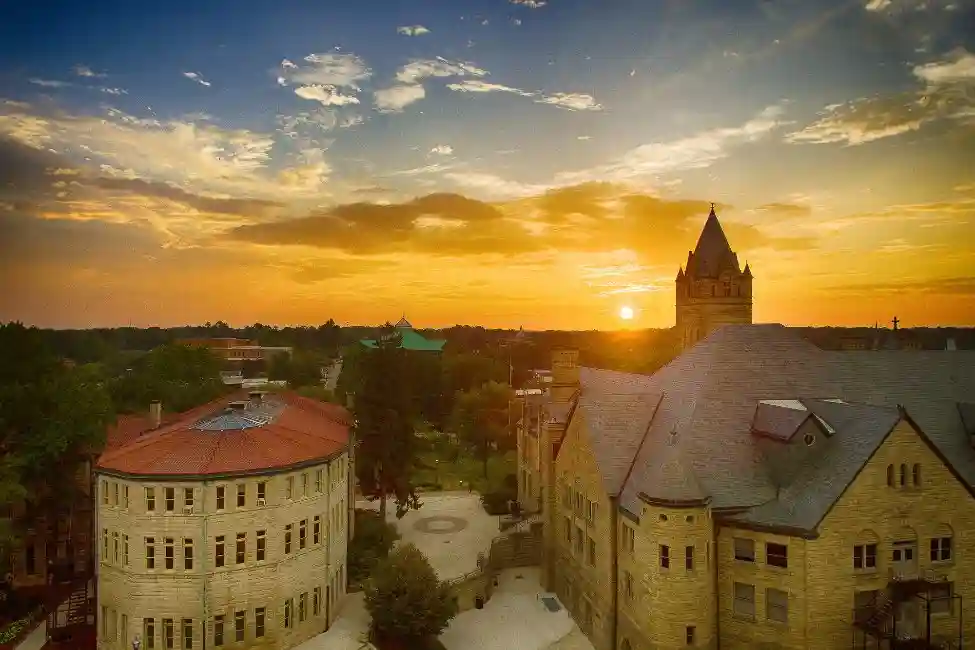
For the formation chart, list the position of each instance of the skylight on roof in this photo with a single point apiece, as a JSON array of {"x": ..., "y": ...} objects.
[
  {"x": 784, "y": 403},
  {"x": 237, "y": 418}
]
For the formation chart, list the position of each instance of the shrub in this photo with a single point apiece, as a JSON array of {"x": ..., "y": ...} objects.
[
  {"x": 371, "y": 542},
  {"x": 407, "y": 602}
]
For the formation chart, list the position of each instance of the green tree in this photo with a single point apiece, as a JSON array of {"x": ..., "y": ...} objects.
[
  {"x": 385, "y": 437},
  {"x": 407, "y": 602},
  {"x": 481, "y": 418},
  {"x": 52, "y": 418},
  {"x": 180, "y": 376},
  {"x": 373, "y": 540}
]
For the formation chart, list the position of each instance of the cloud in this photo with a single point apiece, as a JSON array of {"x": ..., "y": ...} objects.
[
  {"x": 951, "y": 286},
  {"x": 332, "y": 69},
  {"x": 396, "y": 98},
  {"x": 442, "y": 150},
  {"x": 48, "y": 83},
  {"x": 590, "y": 218},
  {"x": 693, "y": 152},
  {"x": 531, "y": 4},
  {"x": 412, "y": 30},
  {"x": 571, "y": 101},
  {"x": 409, "y": 78},
  {"x": 568, "y": 101},
  {"x": 785, "y": 209},
  {"x": 195, "y": 76},
  {"x": 946, "y": 93},
  {"x": 85, "y": 71},
  {"x": 196, "y": 157},
  {"x": 325, "y": 95},
  {"x": 877, "y": 5},
  {"x": 114, "y": 91}
]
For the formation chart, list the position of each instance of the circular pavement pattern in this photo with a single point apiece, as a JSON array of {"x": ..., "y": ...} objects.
[{"x": 440, "y": 525}]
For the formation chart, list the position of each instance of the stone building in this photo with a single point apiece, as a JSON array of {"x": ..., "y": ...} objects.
[
  {"x": 712, "y": 290},
  {"x": 761, "y": 492},
  {"x": 226, "y": 526}
]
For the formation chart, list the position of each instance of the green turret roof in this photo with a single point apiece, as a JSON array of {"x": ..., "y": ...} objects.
[{"x": 410, "y": 339}]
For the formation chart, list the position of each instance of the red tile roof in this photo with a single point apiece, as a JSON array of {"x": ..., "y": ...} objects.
[{"x": 300, "y": 430}]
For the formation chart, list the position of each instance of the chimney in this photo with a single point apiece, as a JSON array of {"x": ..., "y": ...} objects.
[
  {"x": 155, "y": 414},
  {"x": 565, "y": 374},
  {"x": 255, "y": 397},
  {"x": 951, "y": 345}
]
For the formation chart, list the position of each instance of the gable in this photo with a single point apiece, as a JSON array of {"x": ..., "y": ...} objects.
[{"x": 575, "y": 464}]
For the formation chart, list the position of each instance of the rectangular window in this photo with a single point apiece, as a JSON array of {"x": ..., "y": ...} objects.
[
  {"x": 170, "y": 545},
  {"x": 125, "y": 550},
  {"x": 187, "y": 634},
  {"x": 316, "y": 601},
  {"x": 188, "y": 498},
  {"x": 218, "y": 631},
  {"x": 690, "y": 632},
  {"x": 261, "y": 546},
  {"x": 580, "y": 541},
  {"x": 116, "y": 549},
  {"x": 170, "y": 500},
  {"x": 744, "y": 600},
  {"x": 262, "y": 490},
  {"x": 241, "y": 495},
  {"x": 777, "y": 605},
  {"x": 744, "y": 549},
  {"x": 664, "y": 556},
  {"x": 239, "y": 622},
  {"x": 628, "y": 585},
  {"x": 221, "y": 497},
  {"x": 169, "y": 634},
  {"x": 592, "y": 552},
  {"x": 259, "y": 622},
  {"x": 941, "y": 549},
  {"x": 105, "y": 492},
  {"x": 150, "y": 499},
  {"x": 318, "y": 481},
  {"x": 316, "y": 531},
  {"x": 568, "y": 530},
  {"x": 287, "y": 613},
  {"x": 125, "y": 496},
  {"x": 302, "y": 528},
  {"x": 116, "y": 500},
  {"x": 125, "y": 630},
  {"x": 287, "y": 538},
  {"x": 302, "y": 603},
  {"x": 219, "y": 555},
  {"x": 149, "y": 632},
  {"x": 188, "y": 554},
  {"x": 865, "y": 556},
  {"x": 777, "y": 555},
  {"x": 629, "y": 538},
  {"x": 104, "y": 544},
  {"x": 304, "y": 484},
  {"x": 689, "y": 558},
  {"x": 291, "y": 487},
  {"x": 241, "y": 547},
  {"x": 150, "y": 552}
]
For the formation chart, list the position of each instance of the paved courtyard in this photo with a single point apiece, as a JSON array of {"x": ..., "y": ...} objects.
[
  {"x": 450, "y": 529},
  {"x": 513, "y": 619}
]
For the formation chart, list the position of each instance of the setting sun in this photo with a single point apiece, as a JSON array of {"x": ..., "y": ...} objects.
[{"x": 626, "y": 313}]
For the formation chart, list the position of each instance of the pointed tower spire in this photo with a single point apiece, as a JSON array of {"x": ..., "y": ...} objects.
[
  {"x": 713, "y": 252},
  {"x": 748, "y": 271},
  {"x": 680, "y": 274}
]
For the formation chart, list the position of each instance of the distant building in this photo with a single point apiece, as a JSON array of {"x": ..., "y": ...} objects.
[
  {"x": 411, "y": 339},
  {"x": 225, "y": 526},
  {"x": 231, "y": 349}
]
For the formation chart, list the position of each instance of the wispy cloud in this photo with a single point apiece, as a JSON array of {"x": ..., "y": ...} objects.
[
  {"x": 408, "y": 87},
  {"x": 477, "y": 86},
  {"x": 326, "y": 95},
  {"x": 877, "y": 5},
  {"x": 48, "y": 83},
  {"x": 195, "y": 76},
  {"x": 568, "y": 101},
  {"x": 571, "y": 101},
  {"x": 412, "y": 30},
  {"x": 442, "y": 150},
  {"x": 114, "y": 91},
  {"x": 85, "y": 71},
  {"x": 531, "y": 4},
  {"x": 395, "y": 98},
  {"x": 331, "y": 69}
]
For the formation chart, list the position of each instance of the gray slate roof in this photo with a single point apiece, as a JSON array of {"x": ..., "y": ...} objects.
[
  {"x": 710, "y": 394},
  {"x": 668, "y": 478}
]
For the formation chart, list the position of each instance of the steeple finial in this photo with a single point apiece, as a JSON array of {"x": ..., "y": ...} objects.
[{"x": 712, "y": 211}]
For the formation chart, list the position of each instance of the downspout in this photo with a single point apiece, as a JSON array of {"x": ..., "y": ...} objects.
[
  {"x": 203, "y": 565},
  {"x": 614, "y": 544}
]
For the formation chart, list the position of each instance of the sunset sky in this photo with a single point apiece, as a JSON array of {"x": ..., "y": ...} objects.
[{"x": 490, "y": 162}]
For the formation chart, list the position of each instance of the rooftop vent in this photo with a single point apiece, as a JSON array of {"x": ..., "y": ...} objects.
[
  {"x": 237, "y": 406},
  {"x": 255, "y": 396}
]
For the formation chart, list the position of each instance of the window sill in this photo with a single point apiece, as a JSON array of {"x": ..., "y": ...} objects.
[{"x": 748, "y": 618}]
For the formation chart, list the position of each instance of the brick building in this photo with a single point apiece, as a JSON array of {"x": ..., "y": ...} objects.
[
  {"x": 226, "y": 526},
  {"x": 761, "y": 492}
]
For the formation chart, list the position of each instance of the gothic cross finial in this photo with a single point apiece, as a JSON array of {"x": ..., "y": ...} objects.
[
  {"x": 895, "y": 322},
  {"x": 712, "y": 207}
]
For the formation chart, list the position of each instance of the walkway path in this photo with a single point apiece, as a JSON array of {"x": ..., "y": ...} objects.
[{"x": 36, "y": 639}]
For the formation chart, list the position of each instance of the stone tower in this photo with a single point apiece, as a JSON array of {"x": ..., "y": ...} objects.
[{"x": 712, "y": 290}]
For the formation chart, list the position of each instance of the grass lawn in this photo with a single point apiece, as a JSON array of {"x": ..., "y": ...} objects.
[{"x": 456, "y": 471}]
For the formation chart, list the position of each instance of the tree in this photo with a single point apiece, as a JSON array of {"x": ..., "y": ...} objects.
[
  {"x": 181, "y": 377},
  {"x": 374, "y": 538},
  {"x": 481, "y": 418},
  {"x": 407, "y": 602},
  {"x": 385, "y": 436},
  {"x": 52, "y": 418}
]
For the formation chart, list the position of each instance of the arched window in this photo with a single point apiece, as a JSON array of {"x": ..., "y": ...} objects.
[
  {"x": 903, "y": 474},
  {"x": 890, "y": 475},
  {"x": 714, "y": 290},
  {"x": 916, "y": 475}
]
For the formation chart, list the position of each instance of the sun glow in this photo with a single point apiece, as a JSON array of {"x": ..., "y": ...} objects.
[{"x": 626, "y": 313}]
